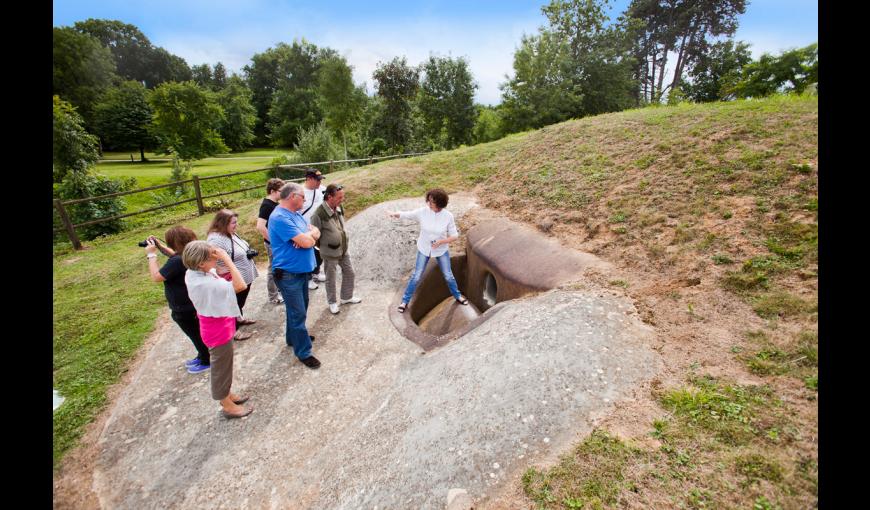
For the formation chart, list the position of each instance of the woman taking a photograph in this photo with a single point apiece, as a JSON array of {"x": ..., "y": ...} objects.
[
  {"x": 222, "y": 234},
  {"x": 172, "y": 276},
  {"x": 437, "y": 231},
  {"x": 217, "y": 309}
]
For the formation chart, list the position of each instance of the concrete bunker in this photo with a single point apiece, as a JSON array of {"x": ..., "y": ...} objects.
[{"x": 503, "y": 260}]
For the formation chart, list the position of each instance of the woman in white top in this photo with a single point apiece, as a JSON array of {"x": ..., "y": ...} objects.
[
  {"x": 437, "y": 231},
  {"x": 222, "y": 234}
]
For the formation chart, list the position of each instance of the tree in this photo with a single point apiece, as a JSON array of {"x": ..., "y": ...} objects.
[
  {"x": 542, "y": 90},
  {"x": 791, "y": 71},
  {"x": 681, "y": 26},
  {"x": 130, "y": 48},
  {"x": 136, "y": 58},
  {"x": 706, "y": 77},
  {"x": 74, "y": 150},
  {"x": 187, "y": 120},
  {"x": 219, "y": 77},
  {"x": 488, "y": 126},
  {"x": 294, "y": 104},
  {"x": 202, "y": 75},
  {"x": 83, "y": 69},
  {"x": 397, "y": 85},
  {"x": 446, "y": 101},
  {"x": 237, "y": 130},
  {"x": 340, "y": 101},
  {"x": 122, "y": 118}
]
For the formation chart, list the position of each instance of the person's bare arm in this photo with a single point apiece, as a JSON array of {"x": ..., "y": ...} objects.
[
  {"x": 261, "y": 228},
  {"x": 238, "y": 282},
  {"x": 151, "y": 249}
]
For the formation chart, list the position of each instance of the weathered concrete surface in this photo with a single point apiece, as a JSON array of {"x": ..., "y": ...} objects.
[{"x": 379, "y": 424}]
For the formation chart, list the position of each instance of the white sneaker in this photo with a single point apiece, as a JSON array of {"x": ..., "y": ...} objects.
[
  {"x": 312, "y": 284},
  {"x": 333, "y": 307},
  {"x": 321, "y": 277},
  {"x": 353, "y": 299}
]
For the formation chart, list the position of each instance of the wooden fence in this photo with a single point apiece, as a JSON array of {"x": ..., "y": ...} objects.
[{"x": 70, "y": 228}]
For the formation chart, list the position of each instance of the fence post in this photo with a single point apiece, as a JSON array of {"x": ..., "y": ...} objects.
[
  {"x": 198, "y": 195},
  {"x": 70, "y": 231},
  {"x": 330, "y": 165}
]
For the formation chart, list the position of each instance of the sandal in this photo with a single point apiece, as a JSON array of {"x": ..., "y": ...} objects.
[
  {"x": 241, "y": 400},
  {"x": 244, "y": 413},
  {"x": 463, "y": 301},
  {"x": 240, "y": 335},
  {"x": 402, "y": 307},
  {"x": 245, "y": 322}
]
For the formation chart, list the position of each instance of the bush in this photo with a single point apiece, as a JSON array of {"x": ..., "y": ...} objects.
[
  {"x": 318, "y": 143},
  {"x": 86, "y": 184}
]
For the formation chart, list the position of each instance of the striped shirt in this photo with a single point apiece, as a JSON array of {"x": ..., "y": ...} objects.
[{"x": 240, "y": 259}]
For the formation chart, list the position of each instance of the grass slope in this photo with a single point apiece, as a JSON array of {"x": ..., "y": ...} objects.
[{"x": 724, "y": 193}]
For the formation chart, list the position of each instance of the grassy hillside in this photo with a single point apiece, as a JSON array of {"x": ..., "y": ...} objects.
[{"x": 709, "y": 214}]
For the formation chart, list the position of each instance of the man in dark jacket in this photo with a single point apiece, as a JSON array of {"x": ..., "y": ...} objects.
[{"x": 329, "y": 219}]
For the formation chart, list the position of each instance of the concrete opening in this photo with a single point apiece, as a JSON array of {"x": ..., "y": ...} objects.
[{"x": 503, "y": 260}]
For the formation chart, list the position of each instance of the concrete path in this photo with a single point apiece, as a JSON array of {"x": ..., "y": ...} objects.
[{"x": 379, "y": 425}]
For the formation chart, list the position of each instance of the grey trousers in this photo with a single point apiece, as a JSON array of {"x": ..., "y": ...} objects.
[
  {"x": 271, "y": 288},
  {"x": 347, "y": 276},
  {"x": 221, "y": 370}
]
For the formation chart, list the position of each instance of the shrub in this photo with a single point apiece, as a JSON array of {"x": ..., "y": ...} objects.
[
  {"x": 87, "y": 184},
  {"x": 318, "y": 143}
]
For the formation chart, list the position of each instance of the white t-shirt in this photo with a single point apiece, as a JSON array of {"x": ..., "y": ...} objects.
[
  {"x": 433, "y": 226},
  {"x": 313, "y": 198}
]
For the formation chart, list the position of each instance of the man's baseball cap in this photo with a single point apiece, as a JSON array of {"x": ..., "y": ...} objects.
[{"x": 314, "y": 173}]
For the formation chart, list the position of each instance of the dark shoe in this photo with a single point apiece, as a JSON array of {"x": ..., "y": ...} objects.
[
  {"x": 311, "y": 337},
  {"x": 311, "y": 362},
  {"x": 242, "y": 415},
  {"x": 199, "y": 367},
  {"x": 463, "y": 301}
]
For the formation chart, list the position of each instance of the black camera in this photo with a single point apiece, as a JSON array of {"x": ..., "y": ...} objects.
[
  {"x": 143, "y": 244},
  {"x": 251, "y": 253}
]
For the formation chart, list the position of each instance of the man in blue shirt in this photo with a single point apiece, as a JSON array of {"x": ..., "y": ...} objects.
[{"x": 292, "y": 239}]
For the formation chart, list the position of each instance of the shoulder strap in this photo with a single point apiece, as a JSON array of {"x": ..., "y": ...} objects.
[{"x": 313, "y": 196}]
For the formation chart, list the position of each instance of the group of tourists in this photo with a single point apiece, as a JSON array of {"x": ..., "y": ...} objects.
[{"x": 207, "y": 283}]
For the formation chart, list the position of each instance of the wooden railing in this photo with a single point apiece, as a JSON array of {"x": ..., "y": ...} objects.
[{"x": 70, "y": 228}]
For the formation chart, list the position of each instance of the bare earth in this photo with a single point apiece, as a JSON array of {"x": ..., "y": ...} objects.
[{"x": 380, "y": 425}]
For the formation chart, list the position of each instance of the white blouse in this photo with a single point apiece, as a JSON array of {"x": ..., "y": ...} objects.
[
  {"x": 433, "y": 226},
  {"x": 211, "y": 295}
]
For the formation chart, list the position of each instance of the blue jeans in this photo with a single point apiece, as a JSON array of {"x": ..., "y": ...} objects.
[
  {"x": 443, "y": 264},
  {"x": 294, "y": 290}
]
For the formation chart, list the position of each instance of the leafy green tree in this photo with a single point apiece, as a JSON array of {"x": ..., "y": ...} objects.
[
  {"x": 683, "y": 27},
  {"x": 706, "y": 76},
  {"x": 74, "y": 150},
  {"x": 202, "y": 75},
  {"x": 135, "y": 56},
  {"x": 237, "y": 130},
  {"x": 122, "y": 118},
  {"x": 488, "y": 126},
  {"x": 791, "y": 71},
  {"x": 542, "y": 90},
  {"x": 294, "y": 104},
  {"x": 187, "y": 120},
  {"x": 83, "y": 69},
  {"x": 130, "y": 48},
  {"x": 284, "y": 83},
  {"x": 219, "y": 77},
  {"x": 446, "y": 101},
  {"x": 317, "y": 143},
  {"x": 397, "y": 86},
  {"x": 340, "y": 101}
]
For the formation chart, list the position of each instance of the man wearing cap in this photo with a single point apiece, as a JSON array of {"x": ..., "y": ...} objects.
[{"x": 313, "y": 198}]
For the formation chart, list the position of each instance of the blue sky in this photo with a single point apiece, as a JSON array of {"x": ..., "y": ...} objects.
[{"x": 486, "y": 32}]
